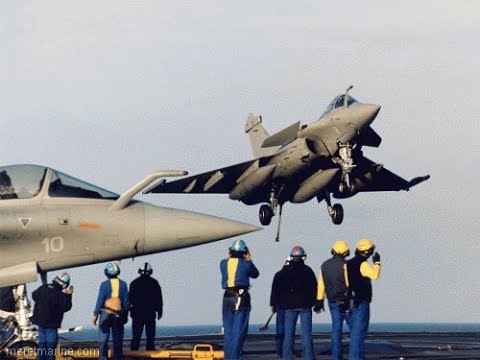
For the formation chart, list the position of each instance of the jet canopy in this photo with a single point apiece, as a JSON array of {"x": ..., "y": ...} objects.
[
  {"x": 27, "y": 181},
  {"x": 338, "y": 102}
]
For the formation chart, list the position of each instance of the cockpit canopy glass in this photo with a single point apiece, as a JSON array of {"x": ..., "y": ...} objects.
[
  {"x": 338, "y": 102},
  {"x": 62, "y": 185},
  {"x": 26, "y": 181},
  {"x": 21, "y": 181}
]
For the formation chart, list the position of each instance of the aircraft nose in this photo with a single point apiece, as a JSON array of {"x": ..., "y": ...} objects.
[
  {"x": 167, "y": 229},
  {"x": 366, "y": 113}
]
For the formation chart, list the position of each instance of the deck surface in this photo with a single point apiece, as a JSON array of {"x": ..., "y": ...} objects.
[{"x": 411, "y": 346}]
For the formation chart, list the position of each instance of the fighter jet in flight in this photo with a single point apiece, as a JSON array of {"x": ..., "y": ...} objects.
[
  {"x": 50, "y": 220},
  {"x": 301, "y": 162}
]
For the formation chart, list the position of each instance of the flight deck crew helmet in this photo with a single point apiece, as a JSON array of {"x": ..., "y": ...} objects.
[
  {"x": 365, "y": 247},
  {"x": 146, "y": 269},
  {"x": 112, "y": 270},
  {"x": 340, "y": 248},
  {"x": 238, "y": 246},
  {"x": 63, "y": 280},
  {"x": 298, "y": 253}
]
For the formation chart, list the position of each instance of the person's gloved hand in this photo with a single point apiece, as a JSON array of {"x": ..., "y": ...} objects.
[
  {"x": 318, "y": 308},
  {"x": 376, "y": 258}
]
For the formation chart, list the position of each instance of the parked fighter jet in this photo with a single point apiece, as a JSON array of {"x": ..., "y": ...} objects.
[
  {"x": 299, "y": 163},
  {"x": 50, "y": 220}
]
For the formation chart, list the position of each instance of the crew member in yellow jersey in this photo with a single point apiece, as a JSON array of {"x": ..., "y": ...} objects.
[
  {"x": 236, "y": 271},
  {"x": 360, "y": 274},
  {"x": 333, "y": 281}
]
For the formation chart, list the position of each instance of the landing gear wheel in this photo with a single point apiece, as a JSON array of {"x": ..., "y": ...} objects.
[
  {"x": 337, "y": 214},
  {"x": 341, "y": 187},
  {"x": 265, "y": 215},
  {"x": 25, "y": 349}
]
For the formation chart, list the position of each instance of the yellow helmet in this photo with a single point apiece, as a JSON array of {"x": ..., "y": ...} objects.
[
  {"x": 365, "y": 245},
  {"x": 340, "y": 248}
]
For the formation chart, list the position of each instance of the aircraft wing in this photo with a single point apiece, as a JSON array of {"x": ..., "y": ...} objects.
[
  {"x": 371, "y": 176},
  {"x": 219, "y": 181}
]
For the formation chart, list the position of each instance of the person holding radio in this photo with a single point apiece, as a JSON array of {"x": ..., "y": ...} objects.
[{"x": 236, "y": 271}]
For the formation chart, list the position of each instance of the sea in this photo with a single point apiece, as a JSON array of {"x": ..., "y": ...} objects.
[{"x": 86, "y": 334}]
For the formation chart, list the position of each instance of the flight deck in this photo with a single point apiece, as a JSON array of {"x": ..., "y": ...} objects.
[{"x": 382, "y": 345}]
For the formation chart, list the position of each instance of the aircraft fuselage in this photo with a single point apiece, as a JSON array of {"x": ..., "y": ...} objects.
[{"x": 50, "y": 228}]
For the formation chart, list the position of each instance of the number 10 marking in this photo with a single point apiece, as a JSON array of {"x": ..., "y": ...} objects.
[{"x": 54, "y": 244}]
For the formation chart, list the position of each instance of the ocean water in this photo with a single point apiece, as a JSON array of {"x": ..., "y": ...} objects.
[{"x": 169, "y": 331}]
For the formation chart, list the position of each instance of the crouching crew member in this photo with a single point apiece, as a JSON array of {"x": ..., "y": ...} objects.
[
  {"x": 146, "y": 305},
  {"x": 360, "y": 274},
  {"x": 236, "y": 272}
]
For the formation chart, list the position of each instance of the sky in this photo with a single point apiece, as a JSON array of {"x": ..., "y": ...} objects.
[{"x": 112, "y": 91}]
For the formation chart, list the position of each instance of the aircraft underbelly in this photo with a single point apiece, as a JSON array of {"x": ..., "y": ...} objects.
[{"x": 289, "y": 172}]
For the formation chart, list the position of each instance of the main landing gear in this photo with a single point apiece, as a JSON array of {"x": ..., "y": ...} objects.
[
  {"x": 20, "y": 333},
  {"x": 266, "y": 212},
  {"x": 335, "y": 211}
]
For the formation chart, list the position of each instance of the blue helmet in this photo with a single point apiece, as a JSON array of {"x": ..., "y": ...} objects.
[
  {"x": 298, "y": 253},
  {"x": 238, "y": 246},
  {"x": 112, "y": 270},
  {"x": 63, "y": 280}
]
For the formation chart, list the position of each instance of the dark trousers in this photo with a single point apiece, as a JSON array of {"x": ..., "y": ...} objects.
[{"x": 138, "y": 323}]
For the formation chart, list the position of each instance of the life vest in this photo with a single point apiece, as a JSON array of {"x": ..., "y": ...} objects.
[{"x": 113, "y": 305}]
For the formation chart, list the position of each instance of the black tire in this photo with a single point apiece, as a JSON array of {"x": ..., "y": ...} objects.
[
  {"x": 337, "y": 216},
  {"x": 265, "y": 215}
]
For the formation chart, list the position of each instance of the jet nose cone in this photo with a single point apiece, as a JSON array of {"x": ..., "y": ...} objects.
[
  {"x": 367, "y": 113},
  {"x": 167, "y": 229}
]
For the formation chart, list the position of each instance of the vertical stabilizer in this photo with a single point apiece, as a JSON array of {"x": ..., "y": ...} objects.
[{"x": 258, "y": 134}]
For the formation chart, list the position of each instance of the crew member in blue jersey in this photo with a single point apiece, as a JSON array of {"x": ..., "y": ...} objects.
[
  {"x": 360, "y": 276},
  {"x": 236, "y": 271},
  {"x": 112, "y": 309}
]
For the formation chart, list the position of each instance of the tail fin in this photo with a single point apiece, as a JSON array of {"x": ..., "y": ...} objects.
[{"x": 257, "y": 134}]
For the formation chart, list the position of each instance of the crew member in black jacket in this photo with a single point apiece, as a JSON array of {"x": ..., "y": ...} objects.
[
  {"x": 360, "y": 276},
  {"x": 51, "y": 302},
  {"x": 146, "y": 304},
  {"x": 333, "y": 281},
  {"x": 297, "y": 293}
]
